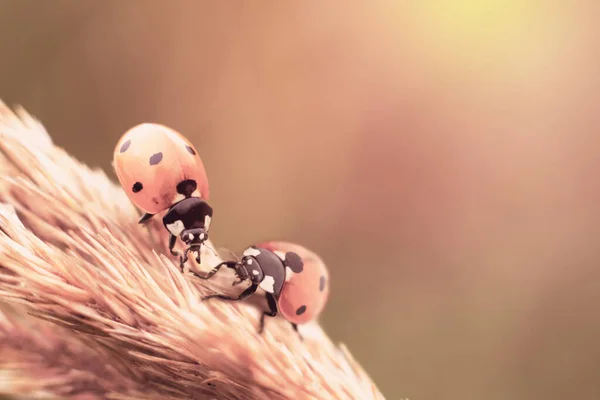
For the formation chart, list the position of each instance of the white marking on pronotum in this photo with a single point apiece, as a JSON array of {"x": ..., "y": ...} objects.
[
  {"x": 207, "y": 220},
  {"x": 249, "y": 261},
  {"x": 176, "y": 228},
  {"x": 255, "y": 272},
  {"x": 202, "y": 236},
  {"x": 190, "y": 236},
  {"x": 288, "y": 273},
  {"x": 251, "y": 251},
  {"x": 267, "y": 284}
]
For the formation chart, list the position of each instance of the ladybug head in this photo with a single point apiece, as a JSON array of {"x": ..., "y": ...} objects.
[
  {"x": 248, "y": 268},
  {"x": 241, "y": 270},
  {"x": 194, "y": 237}
]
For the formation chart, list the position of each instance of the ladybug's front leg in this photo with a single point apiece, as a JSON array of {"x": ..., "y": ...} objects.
[
  {"x": 229, "y": 264},
  {"x": 182, "y": 260},
  {"x": 295, "y": 326}
]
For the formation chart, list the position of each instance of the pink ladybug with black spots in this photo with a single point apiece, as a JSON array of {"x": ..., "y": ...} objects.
[{"x": 295, "y": 280}]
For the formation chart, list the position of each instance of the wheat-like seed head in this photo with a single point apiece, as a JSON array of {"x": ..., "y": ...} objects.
[{"x": 72, "y": 253}]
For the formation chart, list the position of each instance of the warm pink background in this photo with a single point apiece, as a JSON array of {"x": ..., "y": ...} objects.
[{"x": 443, "y": 161}]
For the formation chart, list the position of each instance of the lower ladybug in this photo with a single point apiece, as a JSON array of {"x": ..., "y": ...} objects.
[{"x": 294, "y": 279}]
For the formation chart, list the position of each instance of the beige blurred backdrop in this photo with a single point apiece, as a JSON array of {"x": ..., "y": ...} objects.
[{"x": 441, "y": 156}]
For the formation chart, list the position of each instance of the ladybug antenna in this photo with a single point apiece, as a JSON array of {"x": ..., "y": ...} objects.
[{"x": 211, "y": 249}]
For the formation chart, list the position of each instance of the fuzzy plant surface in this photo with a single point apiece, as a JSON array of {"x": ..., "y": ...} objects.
[{"x": 93, "y": 307}]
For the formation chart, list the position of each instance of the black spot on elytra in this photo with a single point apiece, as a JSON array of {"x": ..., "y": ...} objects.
[
  {"x": 187, "y": 187},
  {"x": 156, "y": 158},
  {"x": 322, "y": 283},
  {"x": 294, "y": 261},
  {"x": 125, "y": 146},
  {"x": 137, "y": 187},
  {"x": 300, "y": 310},
  {"x": 190, "y": 150}
]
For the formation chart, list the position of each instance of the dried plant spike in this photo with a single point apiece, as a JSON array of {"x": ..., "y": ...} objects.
[
  {"x": 40, "y": 360},
  {"x": 72, "y": 253}
]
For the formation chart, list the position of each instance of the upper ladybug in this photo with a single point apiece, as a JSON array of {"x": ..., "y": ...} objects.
[{"x": 158, "y": 167}]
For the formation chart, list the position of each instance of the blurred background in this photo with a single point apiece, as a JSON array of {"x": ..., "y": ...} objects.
[{"x": 441, "y": 156}]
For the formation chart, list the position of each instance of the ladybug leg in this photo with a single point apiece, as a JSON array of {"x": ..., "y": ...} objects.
[
  {"x": 182, "y": 260},
  {"x": 172, "y": 241},
  {"x": 145, "y": 218},
  {"x": 271, "y": 313},
  {"x": 245, "y": 294},
  {"x": 295, "y": 326},
  {"x": 229, "y": 264}
]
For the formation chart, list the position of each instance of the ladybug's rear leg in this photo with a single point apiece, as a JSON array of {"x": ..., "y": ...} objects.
[
  {"x": 145, "y": 218},
  {"x": 295, "y": 326},
  {"x": 271, "y": 313},
  {"x": 228, "y": 264}
]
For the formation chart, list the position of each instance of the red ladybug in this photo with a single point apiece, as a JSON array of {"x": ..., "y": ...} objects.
[
  {"x": 295, "y": 280},
  {"x": 161, "y": 170}
]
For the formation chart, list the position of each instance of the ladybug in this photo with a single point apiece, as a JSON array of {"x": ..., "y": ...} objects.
[
  {"x": 161, "y": 170},
  {"x": 294, "y": 279}
]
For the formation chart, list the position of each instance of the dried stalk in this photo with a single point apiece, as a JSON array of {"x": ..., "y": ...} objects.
[
  {"x": 42, "y": 361},
  {"x": 71, "y": 252}
]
